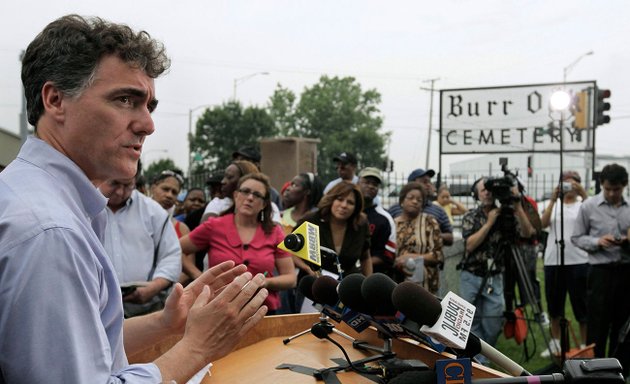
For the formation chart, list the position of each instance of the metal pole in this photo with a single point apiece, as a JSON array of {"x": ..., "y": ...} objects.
[
  {"x": 432, "y": 89},
  {"x": 573, "y": 64},
  {"x": 190, "y": 111},
  {"x": 243, "y": 79}
]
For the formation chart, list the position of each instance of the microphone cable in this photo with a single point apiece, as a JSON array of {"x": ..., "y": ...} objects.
[{"x": 320, "y": 331}]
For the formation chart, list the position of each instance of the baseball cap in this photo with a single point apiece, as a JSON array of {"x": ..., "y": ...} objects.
[
  {"x": 346, "y": 157},
  {"x": 249, "y": 153},
  {"x": 371, "y": 172},
  {"x": 419, "y": 173}
]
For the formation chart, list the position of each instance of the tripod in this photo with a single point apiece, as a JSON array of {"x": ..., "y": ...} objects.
[
  {"x": 516, "y": 272},
  {"x": 323, "y": 322}
]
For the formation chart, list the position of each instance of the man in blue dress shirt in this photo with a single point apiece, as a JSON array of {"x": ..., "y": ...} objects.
[{"x": 89, "y": 86}]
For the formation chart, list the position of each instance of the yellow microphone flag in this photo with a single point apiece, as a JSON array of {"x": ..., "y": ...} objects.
[{"x": 304, "y": 243}]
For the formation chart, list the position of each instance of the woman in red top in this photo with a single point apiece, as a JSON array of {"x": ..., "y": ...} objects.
[{"x": 246, "y": 234}]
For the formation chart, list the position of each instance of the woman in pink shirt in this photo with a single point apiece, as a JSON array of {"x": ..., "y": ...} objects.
[{"x": 246, "y": 234}]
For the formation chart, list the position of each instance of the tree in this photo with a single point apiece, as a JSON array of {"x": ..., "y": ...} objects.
[
  {"x": 223, "y": 129},
  {"x": 282, "y": 111},
  {"x": 155, "y": 168},
  {"x": 339, "y": 113}
]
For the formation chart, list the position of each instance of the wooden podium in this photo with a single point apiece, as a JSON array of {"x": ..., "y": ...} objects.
[{"x": 259, "y": 353}]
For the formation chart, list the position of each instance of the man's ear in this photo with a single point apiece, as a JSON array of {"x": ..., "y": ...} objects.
[{"x": 52, "y": 98}]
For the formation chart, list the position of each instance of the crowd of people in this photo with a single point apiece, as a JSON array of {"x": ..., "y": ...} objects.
[{"x": 129, "y": 270}]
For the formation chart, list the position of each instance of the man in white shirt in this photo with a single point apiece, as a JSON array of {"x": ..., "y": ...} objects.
[{"x": 142, "y": 245}]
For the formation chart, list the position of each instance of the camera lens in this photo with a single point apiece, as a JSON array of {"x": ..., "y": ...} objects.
[{"x": 294, "y": 242}]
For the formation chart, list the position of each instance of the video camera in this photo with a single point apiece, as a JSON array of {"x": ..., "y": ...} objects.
[{"x": 501, "y": 189}]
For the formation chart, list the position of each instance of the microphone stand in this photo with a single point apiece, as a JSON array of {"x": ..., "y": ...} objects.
[{"x": 324, "y": 323}]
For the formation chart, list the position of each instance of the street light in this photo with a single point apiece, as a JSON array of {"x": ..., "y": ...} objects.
[
  {"x": 569, "y": 67},
  {"x": 190, "y": 123},
  {"x": 243, "y": 79}
]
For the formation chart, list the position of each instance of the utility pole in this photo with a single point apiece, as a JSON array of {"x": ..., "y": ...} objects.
[{"x": 432, "y": 89}]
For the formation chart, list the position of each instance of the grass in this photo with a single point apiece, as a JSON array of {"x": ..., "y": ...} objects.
[{"x": 535, "y": 342}]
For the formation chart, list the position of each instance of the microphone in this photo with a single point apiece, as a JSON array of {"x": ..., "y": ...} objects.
[
  {"x": 303, "y": 242},
  {"x": 377, "y": 289},
  {"x": 305, "y": 286},
  {"x": 443, "y": 320},
  {"x": 325, "y": 292}
]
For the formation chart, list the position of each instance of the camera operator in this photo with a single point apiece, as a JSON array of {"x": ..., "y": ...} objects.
[
  {"x": 481, "y": 280},
  {"x": 571, "y": 275}
]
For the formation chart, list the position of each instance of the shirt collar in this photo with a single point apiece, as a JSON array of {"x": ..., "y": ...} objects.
[
  {"x": 66, "y": 172},
  {"x": 599, "y": 199}
]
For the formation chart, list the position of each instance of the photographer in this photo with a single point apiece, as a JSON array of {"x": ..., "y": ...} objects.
[
  {"x": 569, "y": 275},
  {"x": 481, "y": 280}
]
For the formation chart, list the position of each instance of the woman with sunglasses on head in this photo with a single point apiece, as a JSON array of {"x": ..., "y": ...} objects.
[
  {"x": 300, "y": 197},
  {"x": 343, "y": 228},
  {"x": 246, "y": 234}
]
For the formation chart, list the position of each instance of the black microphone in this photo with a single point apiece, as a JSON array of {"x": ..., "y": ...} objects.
[
  {"x": 421, "y": 306},
  {"x": 325, "y": 290},
  {"x": 325, "y": 293},
  {"x": 305, "y": 286},
  {"x": 350, "y": 293},
  {"x": 377, "y": 288}
]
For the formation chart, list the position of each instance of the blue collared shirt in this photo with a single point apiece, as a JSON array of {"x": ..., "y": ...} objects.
[
  {"x": 598, "y": 218},
  {"x": 61, "y": 317}
]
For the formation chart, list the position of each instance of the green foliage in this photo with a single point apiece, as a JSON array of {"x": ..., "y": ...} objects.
[
  {"x": 282, "y": 111},
  {"x": 226, "y": 128},
  {"x": 335, "y": 110},
  {"x": 339, "y": 113},
  {"x": 157, "y": 167}
]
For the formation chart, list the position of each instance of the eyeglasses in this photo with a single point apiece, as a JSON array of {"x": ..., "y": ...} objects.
[
  {"x": 248, "y": 192},
  {"x": 168, "y": 173}
]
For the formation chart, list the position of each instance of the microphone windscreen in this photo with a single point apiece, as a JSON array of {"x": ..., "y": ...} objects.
[
  {"x": 350, "y": 293},
  {"x": 377, "y": 289},
  {"x": 416, "y": 303},
  {"x": 305, "y": 286},
  {"x": 325, "y": 290}
]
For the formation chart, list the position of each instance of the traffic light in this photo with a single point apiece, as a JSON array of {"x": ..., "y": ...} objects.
[
  {"x": 601, "y": 106},
  {"x": 579, "y": 110}
]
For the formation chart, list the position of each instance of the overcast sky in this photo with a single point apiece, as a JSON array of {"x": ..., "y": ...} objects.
[{"x": 393, "y": 46}]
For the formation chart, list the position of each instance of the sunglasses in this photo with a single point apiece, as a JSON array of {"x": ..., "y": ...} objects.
[{"x": 167, "y": 173}]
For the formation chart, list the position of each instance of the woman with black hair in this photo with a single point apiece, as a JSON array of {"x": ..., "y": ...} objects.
[
  {"x": 300, "y": 197},
  {"x": 343, "y": 228}
]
